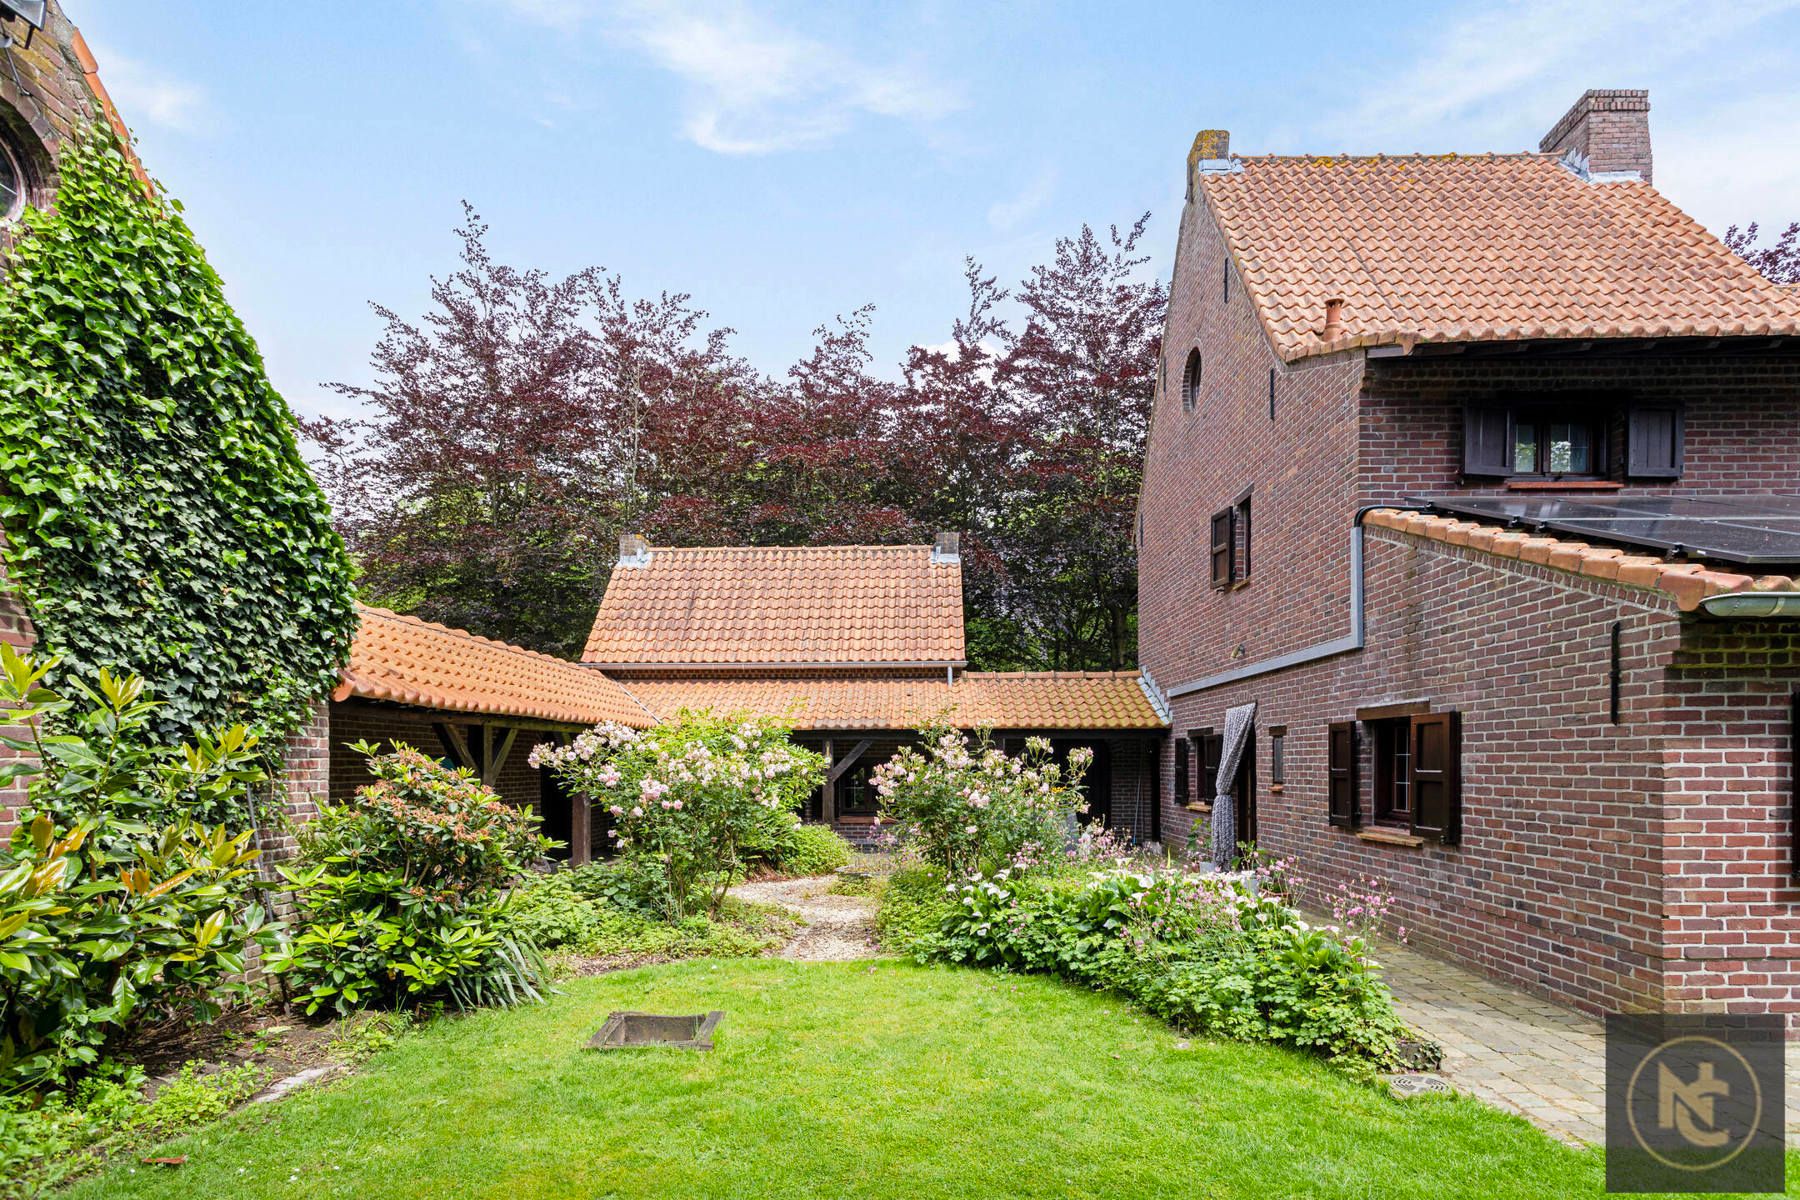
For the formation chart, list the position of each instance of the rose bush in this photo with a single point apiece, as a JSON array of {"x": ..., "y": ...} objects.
[
  {"x": 966, "y": 806},
  {"x": 686, "y": 796}
]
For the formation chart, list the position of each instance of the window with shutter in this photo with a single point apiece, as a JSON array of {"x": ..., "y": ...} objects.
[
  {"x": 1181, "y": 771},
  {"x": 1436, "y": 770},
  {"x": 1487, "y": 441},
  {"x": 1341, "y": 806},
  {"x": 1212, "y": 749},
  {"x": 1224, "y": 548},
  {"x": 1241, "y": 564},
  {"x": 1654, "y": 439}
]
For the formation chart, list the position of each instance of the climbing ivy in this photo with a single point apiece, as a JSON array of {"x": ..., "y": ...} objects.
[{"x": 158, "y": 516}]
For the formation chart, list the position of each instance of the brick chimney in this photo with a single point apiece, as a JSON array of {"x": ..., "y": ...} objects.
[
  {"x": 947, "y": 548},
  {"x": 634, "y": 551},
  {"x": 1609, "y": 128},
  {"x": 1211, "y": 146}
]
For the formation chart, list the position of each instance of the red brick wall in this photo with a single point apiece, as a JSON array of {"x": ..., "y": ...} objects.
[
  {"x": 1554, "y": 885},
  {"x": 1742, "y": 415},
  {"x": 359, "y": 720},
  {"x": 1300, "y": 468},
  {"x": 1732, "y": 911}
]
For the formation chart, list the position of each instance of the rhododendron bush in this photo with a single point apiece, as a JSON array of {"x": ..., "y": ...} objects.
[
  {"x": 966, "y": 806},
  {"x": 685, "y": 796}
]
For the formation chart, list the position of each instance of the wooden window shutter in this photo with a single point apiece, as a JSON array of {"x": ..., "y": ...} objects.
[
  {"x": 1341, "y": 770},
  {"x": 1181, "y": 770},
  {"x": 1436, "y": 773},
  {"x": 1654, "y": 437},
  {"x": 1212, "y": 749},
  {"x": 1487, "y": 440},
  {"x": 1224, "y": 548}
]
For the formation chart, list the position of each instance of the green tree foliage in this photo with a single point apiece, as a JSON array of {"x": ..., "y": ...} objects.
[{"x": 159, "y": 518}]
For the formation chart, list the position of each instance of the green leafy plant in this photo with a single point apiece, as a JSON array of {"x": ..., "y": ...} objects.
[
  {"x": 967, "y": 806},
  {"x": 404, "y": 893},
  {"x": 158, "y": 515},
  {"x": 914, "y": 905},
  {"x": 1207, "y": 952},
  {"x": 687, "y": 796},
  {"x": 785, "y": 845},
  {"x": 112, "y": 903}
]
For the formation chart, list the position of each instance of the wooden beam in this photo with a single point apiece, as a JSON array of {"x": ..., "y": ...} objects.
[
  {"x": 495, "y": 757},
  {"x": 581, "y": 830},
  {"x": 453, "y": 740},
  {"x": 828, "y": 791},
  {"x": 848, "y": 761}
]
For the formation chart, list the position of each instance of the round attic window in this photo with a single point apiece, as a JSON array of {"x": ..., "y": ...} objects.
[
  {"x": 12, "y": 184},
  {"x": 1190, "y": 380}
]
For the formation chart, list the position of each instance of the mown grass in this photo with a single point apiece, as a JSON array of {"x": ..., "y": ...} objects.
[{"x": 852, "y": 1080}]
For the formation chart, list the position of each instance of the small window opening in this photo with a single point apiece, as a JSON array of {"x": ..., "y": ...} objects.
[{"x": 1190, "y": 380}]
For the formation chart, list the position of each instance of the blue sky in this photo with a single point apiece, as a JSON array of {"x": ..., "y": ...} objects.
[{"x": 785, "y": 162}]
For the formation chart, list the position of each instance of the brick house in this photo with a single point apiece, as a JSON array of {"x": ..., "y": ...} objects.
[
  {"x": 1512, "y": 429},
  {"x": 858, "y": 647},
  {"x": 48, "y": 90}
]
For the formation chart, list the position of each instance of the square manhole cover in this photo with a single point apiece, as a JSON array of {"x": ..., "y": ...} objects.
[{"x": 626, "y": 1029}]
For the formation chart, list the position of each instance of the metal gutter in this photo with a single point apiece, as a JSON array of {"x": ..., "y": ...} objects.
[
  {"x": 1752, "y": 605},
  {"x": 1346, "y": 644}
]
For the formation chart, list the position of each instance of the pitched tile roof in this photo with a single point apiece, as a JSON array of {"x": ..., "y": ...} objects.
[
  {"x": 408, "y": 661},
  {"x": 1046, "y": 700},
  {"x": 782, "y": 606},
  {"x": 1453, "y": 248},
  {"x": 1687, "y": 582}
]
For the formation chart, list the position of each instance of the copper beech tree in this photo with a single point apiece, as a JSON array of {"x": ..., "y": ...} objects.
[{"x": 516, "y": 429}]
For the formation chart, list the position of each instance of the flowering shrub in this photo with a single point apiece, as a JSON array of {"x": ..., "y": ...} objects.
[
  {"x": 685, "y": 796},
  {"x": 966, "y": 807},
  {"x": 1212, "y": 952},
  {"x": 403, "y": 893},
  {"x": 115, "y": 905}
]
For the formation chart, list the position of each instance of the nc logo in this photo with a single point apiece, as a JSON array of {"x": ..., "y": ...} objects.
[{"x": 1687, "y": 1108}]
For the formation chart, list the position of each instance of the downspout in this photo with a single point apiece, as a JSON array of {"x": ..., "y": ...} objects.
[{"x": 1327, "y": 649}]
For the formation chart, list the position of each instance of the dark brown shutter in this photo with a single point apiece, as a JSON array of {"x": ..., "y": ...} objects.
[
  {"x": 1436, "y": 772},
  {"x": 1487, "y": 440},
  {"x": 1341, "y": 770},
  {"x": 1654, "y": 439},
  {"x": 1224, "y": 549},
  {"x": 1181, "y": 770},
  {"x": 1242, "y": 566},
  {"x": 1212, "y": 749}
]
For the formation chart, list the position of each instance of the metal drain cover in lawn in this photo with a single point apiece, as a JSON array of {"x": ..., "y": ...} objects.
[{"x": 624, "y": 1030}]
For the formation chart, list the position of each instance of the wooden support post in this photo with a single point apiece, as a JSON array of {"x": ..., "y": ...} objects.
[
  {"x": 828, "y": 793},
  {"x": 849, "y": 760},
  {"x": 495, "y": 756},
  {"x": 581, "y": 830},
  {"x": 453, "y": 740}
]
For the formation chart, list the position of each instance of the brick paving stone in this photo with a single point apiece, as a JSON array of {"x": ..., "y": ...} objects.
[{"x": 1516, "y": 1051}]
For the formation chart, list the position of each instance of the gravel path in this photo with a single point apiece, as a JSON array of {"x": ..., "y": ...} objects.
[{"x": 837, "y": 929}]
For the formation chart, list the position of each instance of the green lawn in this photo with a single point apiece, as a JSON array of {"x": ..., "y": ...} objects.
[{"x": 847, "y": 1080}]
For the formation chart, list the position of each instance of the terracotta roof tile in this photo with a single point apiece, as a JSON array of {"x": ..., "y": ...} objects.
[
  {"x": 408, "y": 661},
  {"x": 1032, "y": 700},
  {"x": 781, "y": 606},
  {"x": 1687, "y": 582},
  {"x": 1477, "y": 248}
]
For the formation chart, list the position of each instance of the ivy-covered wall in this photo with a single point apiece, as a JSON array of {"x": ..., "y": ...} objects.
[{"x": 157, "y": 511}]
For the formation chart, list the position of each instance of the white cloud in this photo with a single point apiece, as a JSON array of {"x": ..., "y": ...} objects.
[
  {"x": 146, "y": 95},
  {"x": 1497, "y": 78},
  {"x": 1493, "y": 72},
  {"x": 751, "y": 84},
  {"x": 1007, "y": 215}
]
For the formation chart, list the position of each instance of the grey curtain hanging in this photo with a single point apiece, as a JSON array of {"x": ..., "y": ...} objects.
[{"x": 1239, "y": 722}]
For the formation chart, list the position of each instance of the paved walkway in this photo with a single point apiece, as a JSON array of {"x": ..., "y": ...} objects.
[
  {"x": 1516, "y": 1051},
  {"x": 837, "y": 929}
]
